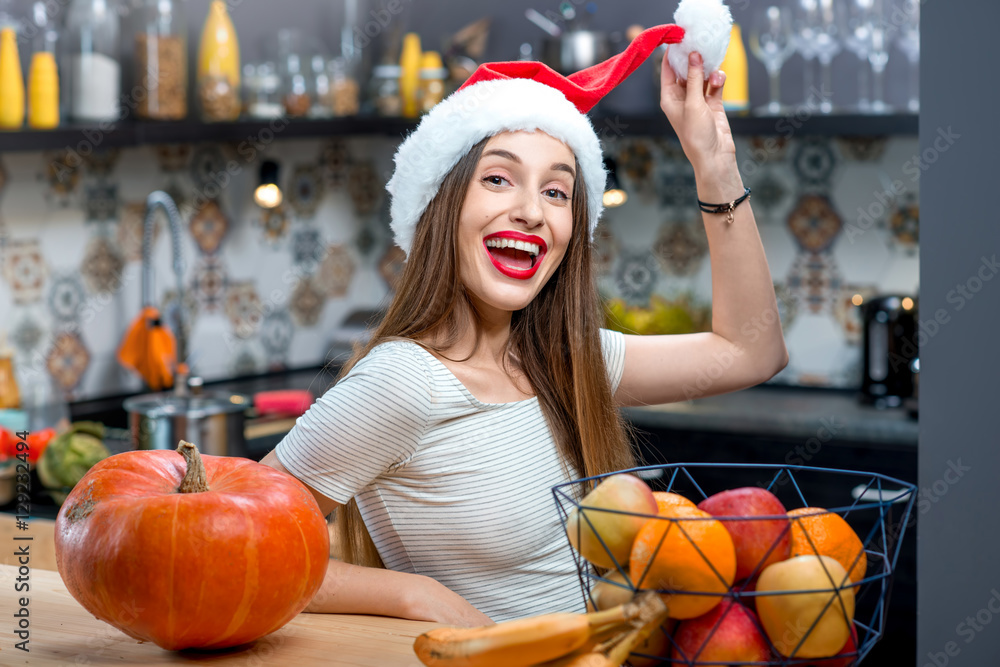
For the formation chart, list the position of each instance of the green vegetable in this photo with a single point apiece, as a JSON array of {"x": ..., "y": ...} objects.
[
  {"x": 96, "y": 429},
  {"x": 69, "y": 456}
]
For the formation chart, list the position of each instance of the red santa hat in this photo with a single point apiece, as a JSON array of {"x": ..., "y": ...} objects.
[{"x": 530, "y": 96}]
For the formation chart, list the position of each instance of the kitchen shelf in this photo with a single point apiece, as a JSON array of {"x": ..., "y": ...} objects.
[
  {"x": 84, "y": 138},
  {"x": 789, "y": 125}
]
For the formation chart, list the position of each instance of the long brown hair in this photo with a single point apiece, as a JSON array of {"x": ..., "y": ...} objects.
[{"x": 555, "y": 337}]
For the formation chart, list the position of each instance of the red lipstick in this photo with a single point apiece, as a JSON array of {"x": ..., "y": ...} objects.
[{"x": 510, "y": 272}]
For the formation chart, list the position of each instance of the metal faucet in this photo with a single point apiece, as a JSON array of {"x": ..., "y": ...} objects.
[{"x": 159, "y": 198}]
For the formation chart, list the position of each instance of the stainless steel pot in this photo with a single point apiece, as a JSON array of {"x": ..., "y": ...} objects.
[
  {"x": 575, "y": 50},
  {"x": 212, "y": 420}
]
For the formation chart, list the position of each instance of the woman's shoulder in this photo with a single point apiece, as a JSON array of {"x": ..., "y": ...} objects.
[
  {"x": 612, "y": 342},
  {"x": 395, "y": 351},
  {"x": 399, "y": 358}
]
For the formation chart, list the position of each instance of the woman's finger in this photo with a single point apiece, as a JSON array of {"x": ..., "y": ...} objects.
[
  {"x": 672, "y": 91},
  {"x": 696, "y": 81},
  {"x": 715, "y": 83}
]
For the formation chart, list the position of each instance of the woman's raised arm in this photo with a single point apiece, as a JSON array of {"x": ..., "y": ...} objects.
[{"x": 746, "y": 345}]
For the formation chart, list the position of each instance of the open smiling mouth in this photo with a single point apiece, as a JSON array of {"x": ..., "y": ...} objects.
[{"x": 515, "y": 256}]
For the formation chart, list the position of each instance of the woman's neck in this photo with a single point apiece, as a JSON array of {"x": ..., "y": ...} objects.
[
  {"x": 482, "y": 338},
  {"x": 481, "y": 359}
]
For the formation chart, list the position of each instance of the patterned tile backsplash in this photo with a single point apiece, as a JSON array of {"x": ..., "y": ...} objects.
[
  {"x": 265, "y": 290},
  {"x": 838, "y": 217}
]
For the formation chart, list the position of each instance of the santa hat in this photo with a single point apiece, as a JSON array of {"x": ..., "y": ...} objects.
[{"x": 513, "y": 96}]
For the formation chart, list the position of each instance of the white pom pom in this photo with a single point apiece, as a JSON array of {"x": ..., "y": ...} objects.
[{"x": 707, "y": 24}]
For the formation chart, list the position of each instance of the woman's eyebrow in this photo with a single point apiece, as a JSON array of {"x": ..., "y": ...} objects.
[
  {"x": 557, "y": 166},
  {"x": 561, "y": 166},
  {"x": 499, "y": 152}
]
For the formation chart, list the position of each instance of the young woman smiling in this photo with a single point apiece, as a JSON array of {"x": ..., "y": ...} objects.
[{"x": 489, "y": 379}]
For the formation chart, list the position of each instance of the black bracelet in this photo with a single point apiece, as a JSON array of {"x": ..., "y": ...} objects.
[{"x": 724, "y": 208}]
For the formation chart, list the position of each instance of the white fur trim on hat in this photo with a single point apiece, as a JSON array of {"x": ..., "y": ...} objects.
[
  {"x": 484, "y": 109},
  {"x": 707, "y": 25}
]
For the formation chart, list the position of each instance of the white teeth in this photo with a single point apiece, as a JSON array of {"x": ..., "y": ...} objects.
[{"x": 532, "y": 248}]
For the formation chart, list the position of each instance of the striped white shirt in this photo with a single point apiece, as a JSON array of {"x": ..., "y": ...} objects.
[{"x": 448, "y": 486}]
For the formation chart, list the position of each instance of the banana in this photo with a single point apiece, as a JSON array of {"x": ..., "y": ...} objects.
[
  {"x": 650, "y": 619},
  {"x": 611, "y": 647},
  {"x": 584, "y": 660},
  {"x": 519, "y": 643}
]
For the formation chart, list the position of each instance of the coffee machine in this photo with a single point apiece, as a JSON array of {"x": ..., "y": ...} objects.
[{"x": 890, "y": 349}]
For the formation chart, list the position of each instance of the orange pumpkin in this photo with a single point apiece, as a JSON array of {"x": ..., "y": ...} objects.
[{"x": 189, "y": 552}]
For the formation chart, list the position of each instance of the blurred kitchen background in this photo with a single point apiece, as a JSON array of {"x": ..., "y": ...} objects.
[
  {"x": 265, "y": 289},
  {"x": 104, "y": 102}
]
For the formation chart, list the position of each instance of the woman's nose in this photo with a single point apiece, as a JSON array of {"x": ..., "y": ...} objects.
[{"x": 528, "y": 210}]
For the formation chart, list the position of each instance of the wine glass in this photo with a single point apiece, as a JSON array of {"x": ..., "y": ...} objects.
[
  {"x": 805, "y": 42},
  {"x": 878, "y": 56},
  {"x": 857, "y": 40},
  {"x": 908, "y": 41},
  {"x": 827, "y": 31},
  {"x": 771, "y": 42}
]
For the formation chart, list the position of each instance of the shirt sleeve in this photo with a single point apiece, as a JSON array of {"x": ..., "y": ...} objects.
[
  {"x": 370, "y": 421},
  {"x": 613, "y": 346}
]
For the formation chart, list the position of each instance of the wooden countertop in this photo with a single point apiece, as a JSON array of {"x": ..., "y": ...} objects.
[{"x": 64, "y": 633}]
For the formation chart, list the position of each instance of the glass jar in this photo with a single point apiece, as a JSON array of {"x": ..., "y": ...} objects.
[
  {"x": 432, "y": 79},
  {"x": 295, "y": 74},
  {"x": 219, "y": 66},
  {"x": 345, "y": 93},
  {"x": 385, "y": 91},
  {"x": 262, "y": 91},
  {"x": 323, "y": 103},
  {"x": 161, "y": 60},
  {"x": 91, "y": 66}
]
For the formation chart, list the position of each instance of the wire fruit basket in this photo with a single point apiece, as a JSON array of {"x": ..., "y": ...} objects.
[{"x": 807, "y": 583}]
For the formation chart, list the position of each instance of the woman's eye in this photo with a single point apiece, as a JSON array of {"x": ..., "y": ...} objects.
[
  {"x": 495, "y": 180},
  {"x": 556, "y": 193}
]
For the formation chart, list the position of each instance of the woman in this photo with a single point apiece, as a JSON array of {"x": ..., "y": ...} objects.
[{"x": 489, "y": 380}]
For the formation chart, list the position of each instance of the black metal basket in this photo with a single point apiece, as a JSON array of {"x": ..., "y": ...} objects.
[{"x": 878, "y": 508}]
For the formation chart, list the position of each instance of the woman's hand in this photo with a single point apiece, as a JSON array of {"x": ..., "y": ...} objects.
[
  {"x": 696, "y": 113},
  {"x": 433, "y": 601}
]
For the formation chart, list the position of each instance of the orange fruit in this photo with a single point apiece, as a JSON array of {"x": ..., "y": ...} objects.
[
  {"x": 689, "y": 551},
  {"x": 666, "y": 500},
  {"x": 815, "y": 531}
]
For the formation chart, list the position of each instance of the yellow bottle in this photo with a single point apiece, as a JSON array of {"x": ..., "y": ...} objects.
[
  {"x": 736, "y": 93},
  {"x": 11, "y": 82},
  {"x": 43, "y": 92},
  {"x": 10, "y": 397},
  {"x": 409, "y": 79},
  {"x": 219, "y": 66}
]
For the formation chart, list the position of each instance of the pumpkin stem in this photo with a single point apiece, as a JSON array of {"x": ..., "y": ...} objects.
[{"x": 195, "y": 479}]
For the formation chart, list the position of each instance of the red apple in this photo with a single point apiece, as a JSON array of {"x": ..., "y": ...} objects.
[
  {"x": 752, "y": 538},
  {"x": 617, "y": 493},
  {"x": 728, "y": 633}
]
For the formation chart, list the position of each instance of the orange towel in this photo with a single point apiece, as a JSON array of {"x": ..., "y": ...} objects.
[{"x": 149, "y": 349}]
